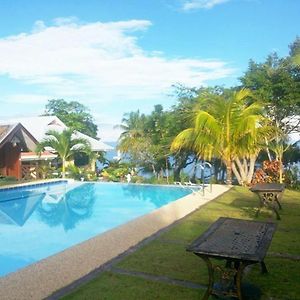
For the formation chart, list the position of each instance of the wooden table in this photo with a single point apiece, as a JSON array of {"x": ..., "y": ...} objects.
[
  {"x": 270, "y": 195},
  {"x": 240, "y": 243}
]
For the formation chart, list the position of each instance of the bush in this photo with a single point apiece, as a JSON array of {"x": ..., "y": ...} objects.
[
  {"x": 79, "y": 173},
  {"x": 116, "y": 171},
  {"x": 46, "y": 171},
  {"x": 114, "y": 174},
  {"x": 268, "y": 173},
  {"x": 7, "y": 178},
  {"x": 158, "y": 180},
  {"x": 4, "y": 180},
  {"x": 292, "y": 178},
  {"x": 137, "y": 179}
]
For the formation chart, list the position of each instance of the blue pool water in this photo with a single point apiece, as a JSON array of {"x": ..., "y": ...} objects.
[{"x": 39, "y": 221}]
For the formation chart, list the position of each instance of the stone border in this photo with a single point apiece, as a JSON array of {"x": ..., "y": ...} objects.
[
  {"x": 43, "y": 278},
  {"x": 35, "y": 183}
]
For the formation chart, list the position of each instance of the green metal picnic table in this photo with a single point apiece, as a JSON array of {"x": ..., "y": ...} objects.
[
  {"x": 270, "y": 195},
  {"x": 240, "y": 243}
]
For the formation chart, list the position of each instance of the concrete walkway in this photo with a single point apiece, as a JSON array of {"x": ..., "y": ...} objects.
[{"x": 41, "y": 279}]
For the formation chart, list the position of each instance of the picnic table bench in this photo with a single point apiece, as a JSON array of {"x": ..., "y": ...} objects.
[
  {"x": 270, "y": 195},
  {"x": 240, "y": 243}
]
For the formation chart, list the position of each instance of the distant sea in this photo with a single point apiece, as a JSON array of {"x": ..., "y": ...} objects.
[{"x": 112, "y": 154}]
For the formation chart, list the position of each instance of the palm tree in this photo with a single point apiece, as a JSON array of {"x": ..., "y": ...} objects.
[
  {"x": 66, "y": 144},
  {"x": 279, "y": 146},
  {"x": 225, "y": 126},
  {"x": 133, "y": 125}
]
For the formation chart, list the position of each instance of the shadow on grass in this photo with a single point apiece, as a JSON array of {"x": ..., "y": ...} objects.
[{"x": 110, "y": 286}]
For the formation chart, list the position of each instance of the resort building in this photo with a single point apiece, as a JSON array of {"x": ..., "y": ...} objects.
[
  {"x": 14, "y": 139},
  {"x": 18, "y": 140}
]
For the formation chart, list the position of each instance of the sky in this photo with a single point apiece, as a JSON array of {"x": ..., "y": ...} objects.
[{"x": 117, "y": 56}]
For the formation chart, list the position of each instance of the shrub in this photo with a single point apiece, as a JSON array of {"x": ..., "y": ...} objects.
[
  {"x": 81, "y": 173},
  {"x": 292, "y": 178},
  {"x": 268, "y": 173},
  {"x": 7, "y": 178},
  {"x": 114, "y": 174}
]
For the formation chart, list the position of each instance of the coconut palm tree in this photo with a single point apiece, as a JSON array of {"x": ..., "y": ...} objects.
[
  {"x": 225, "y": 126},
  {"x": 66, "y": 144},
  {"x": 133, "y": 125}
]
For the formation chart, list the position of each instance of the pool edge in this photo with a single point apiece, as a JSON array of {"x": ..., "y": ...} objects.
[{"x": 41, "y": 279}]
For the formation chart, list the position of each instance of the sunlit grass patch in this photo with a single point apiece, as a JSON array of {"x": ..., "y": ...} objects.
[
  {"x": 282, "y": 281},
  {"x": 110, "y": 286},
  {"x": 167, "y": 259}
]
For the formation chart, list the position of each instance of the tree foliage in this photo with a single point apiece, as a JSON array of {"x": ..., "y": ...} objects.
[
  {"x": 139, "y": 139},
  {"x": 277, "y": 82},
  {"x": 74, "y": 114},
  {"x": 295, "y": 51},
  {"x": 147, "y": 139},
  {"x": 215, "y": 123},
  {"x": 65, "y": 144},
  {"x": 226, "y": 126}
]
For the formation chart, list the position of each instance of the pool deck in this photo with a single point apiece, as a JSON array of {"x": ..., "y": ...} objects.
[{"x": 43, "y": 278}]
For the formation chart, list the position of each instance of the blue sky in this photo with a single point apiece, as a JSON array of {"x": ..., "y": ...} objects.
[{"x": 117, "y": 56}]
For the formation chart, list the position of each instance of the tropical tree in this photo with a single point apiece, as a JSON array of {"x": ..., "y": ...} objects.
[
  {"x": 133, "y": 125},
  {"x": 133, "y": 141},
  {"x": 66, "y": 144},
  {"x": 277, "y": 82},
  {"x": 295, "y": 51},
  {"x": 147, "y": 139},
  {"x": 182, "y": 117},
  {"x": 74, "y": 114},
  {"x": 226, "y": 126},
  {"x": 137, "y": 140}
]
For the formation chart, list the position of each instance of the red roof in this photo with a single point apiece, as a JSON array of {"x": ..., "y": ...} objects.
[{"x": 34, "y": 156}]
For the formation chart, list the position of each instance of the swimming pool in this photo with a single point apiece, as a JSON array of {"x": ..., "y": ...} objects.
[{"x": 42, "y": 220}]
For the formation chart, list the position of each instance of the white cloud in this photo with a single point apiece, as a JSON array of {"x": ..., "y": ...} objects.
[
  {"x": 25, "y": 98},
  {"x": 108, "y": 132},
  {"x": 98, "y": 63},
  {"x": 65, "y": 21},
  {"x": 199, "y": 4}
]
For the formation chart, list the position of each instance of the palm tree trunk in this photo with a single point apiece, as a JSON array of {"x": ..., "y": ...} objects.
[
  {"x": 280, "y": 171},
  {"x": 251, "y": 168},
  {"x": 63, "y": 171},
  {"x": 267, "y": 149},
  {"x": 228, "y": 172},
  {"x": 153, "y": 170},
  {"x": 237, "y": 174},
  {"x": 167, "y": 169},
  {"x": 241, "y": 168},
  {"x": 176, "y": 174}
]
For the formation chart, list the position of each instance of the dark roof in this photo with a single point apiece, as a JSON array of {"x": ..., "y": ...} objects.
[
  {"x": 7, "y": 132},
  {"x": 4, "y": 130}
]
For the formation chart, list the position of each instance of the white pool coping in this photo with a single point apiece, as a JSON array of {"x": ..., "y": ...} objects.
[
  {"x": 41, "y": 279},
  {"x": 30, "y": 183}
]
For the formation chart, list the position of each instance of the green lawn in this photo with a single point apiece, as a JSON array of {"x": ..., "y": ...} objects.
[
  {"x": 162, "y": 269},
  {"x": 4, "y": 183}
]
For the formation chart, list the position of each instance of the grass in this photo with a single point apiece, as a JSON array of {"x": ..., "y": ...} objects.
[
  {"x": 114, "y": 286},
  {"x": 4, "y": 183},
  {"x": 165, "y": 257},
  {"x": 10, "y": 181}
]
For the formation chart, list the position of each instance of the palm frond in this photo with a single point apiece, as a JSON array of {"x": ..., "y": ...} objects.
[{"x": 183, "y": 140}]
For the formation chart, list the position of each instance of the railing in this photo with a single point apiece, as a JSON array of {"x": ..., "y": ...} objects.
[
  {"x": 31, "y": 172},
  {"x": 202, "y": 166}
]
